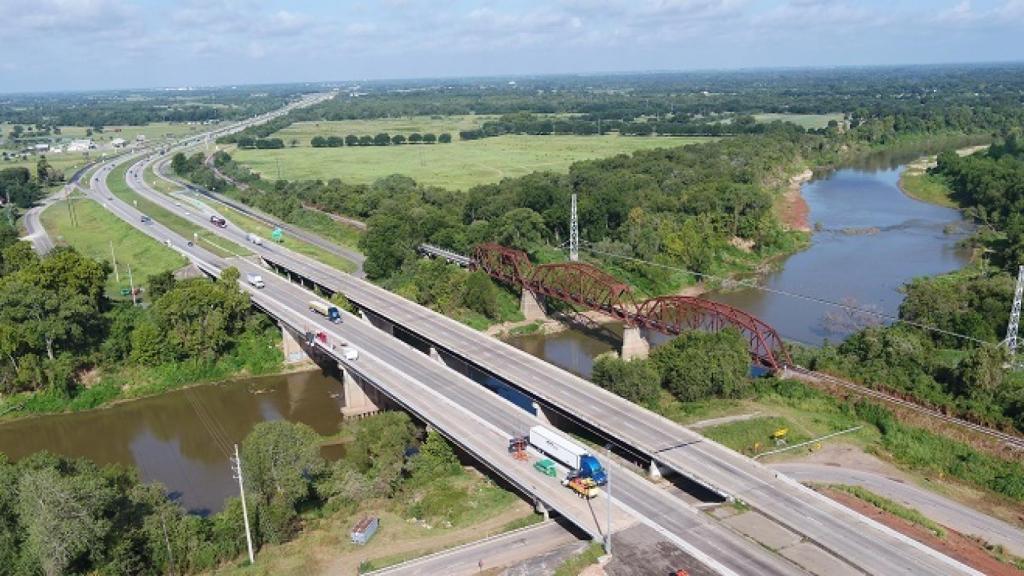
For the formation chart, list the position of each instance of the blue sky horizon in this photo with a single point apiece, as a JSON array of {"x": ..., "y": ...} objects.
[{"x": 71, "y": 45}]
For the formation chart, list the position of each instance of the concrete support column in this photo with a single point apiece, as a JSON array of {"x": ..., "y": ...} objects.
[
  {"x": 540, "y": 508},
  {"x": 541, "y": 414},
  {"x": 531, "y": 307},
  {"x": 634, "y": 345},
  {"x": 359, "y": 399},
  {"x": 435, "y": 355},
  {"x": 293, "y": 352},
  {"x": 653, "y": 472}
]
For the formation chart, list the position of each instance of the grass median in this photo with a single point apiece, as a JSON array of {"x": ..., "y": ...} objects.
[{"x": 179, "y": 225}]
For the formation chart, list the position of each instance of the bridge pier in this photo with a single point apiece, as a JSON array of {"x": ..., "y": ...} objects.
[
  {"x": 435, "y": 355},
  {"x": 531, "y": 306},
  {"x": 634, "y": 345},
  {"x": 378, "y": 322},
  {"x": 360, "y": 399},
  {"x": 653, "y": 472},
  {"x": 540, "y": 508},
  {"x": 293, "y": 352}
]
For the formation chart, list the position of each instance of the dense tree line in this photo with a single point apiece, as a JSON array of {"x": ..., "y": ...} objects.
[
  {"x": 136, "y": 108},
  {"x": 56, "y": 321},
  {"x": 17, "y": 187},
  {"x": 380, "y": 139}
]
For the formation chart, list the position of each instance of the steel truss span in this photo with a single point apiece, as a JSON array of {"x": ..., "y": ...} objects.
[{"x": 588, "y": 286}]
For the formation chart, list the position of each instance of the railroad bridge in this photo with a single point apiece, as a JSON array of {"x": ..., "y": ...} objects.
[{"x": 589, "y": 287}]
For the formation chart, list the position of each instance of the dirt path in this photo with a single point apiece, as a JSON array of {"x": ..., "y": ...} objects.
[
  {"x": 954, "y": 544},
  {"x": 349, "y": 563}
]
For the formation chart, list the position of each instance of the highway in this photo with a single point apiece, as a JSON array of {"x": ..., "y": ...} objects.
[
  {"x": 443, "y": 393},
  {"x": 872, "y": 547},
  {"x": 864, "y": 543}
]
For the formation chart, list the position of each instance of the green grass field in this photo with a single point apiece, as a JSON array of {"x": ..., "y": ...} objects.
[
  {"x": 803, "y": 120},
  {"x": 98, "y": 230},
  {"x": 458, "y": 165}
]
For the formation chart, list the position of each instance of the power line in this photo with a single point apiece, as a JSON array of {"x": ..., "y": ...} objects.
[{"x": 796, "y": 295}]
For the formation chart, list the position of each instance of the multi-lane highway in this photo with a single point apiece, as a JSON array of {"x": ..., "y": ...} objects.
[
  {"x": 636, "y": 498},
  {"x": 865, "y": 544}
]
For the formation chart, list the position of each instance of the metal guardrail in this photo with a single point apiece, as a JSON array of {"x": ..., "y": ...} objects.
[{"x": 438, "y": 252}]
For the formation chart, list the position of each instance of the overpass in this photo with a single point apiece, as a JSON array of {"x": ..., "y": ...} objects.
[
  {"x": 474, "y": 418},
  {"x": 865, "y": 544}
]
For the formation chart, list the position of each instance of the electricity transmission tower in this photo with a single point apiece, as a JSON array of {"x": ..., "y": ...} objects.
[
  {"x": 1011, "y": 329},
  {"x": 574, "y": 233}
]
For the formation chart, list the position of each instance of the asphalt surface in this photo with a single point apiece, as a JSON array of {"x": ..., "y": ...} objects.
[
  {"x": 934, "y": 506},
  {"x": 864, "y": 543}
]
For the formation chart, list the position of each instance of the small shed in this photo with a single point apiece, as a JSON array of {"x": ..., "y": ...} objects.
[{"x": 365, "y": 529}]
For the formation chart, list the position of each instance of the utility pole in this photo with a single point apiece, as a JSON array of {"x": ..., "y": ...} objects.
[
  {"x": 113, "y": 258},
  {"x": 1011, "y": 328},
  {"x": 131, "y": 283},
  {"x": 237, "y": 465},
  {"x": 574, "y": 233},
  {"x": 608, "y": 486}
]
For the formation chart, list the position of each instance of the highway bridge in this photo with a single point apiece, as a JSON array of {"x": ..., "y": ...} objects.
[{"x": 865, "y": 545}]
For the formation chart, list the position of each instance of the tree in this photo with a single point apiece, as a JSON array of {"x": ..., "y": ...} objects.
[
  {"x": 415, "y": 138},
  {"x": 148, "y": 347},
  {"x": 398, "y": 139},
  {"x": 480, "y": 294},
  {"x": 444, "y": 138},
  {"x": 699, "y": 365},
  {"x": 382, "y": 139},
  {"x": 18, "y": 187},
  {"x": 351, "y": 140},
  {"x": 378, "y": 449},
  {"x": 981, "y": 374},
  {"x": 429, "y": 138},
  {"x": 62, "y": 515},
  {"x": 637, "y": 380},
  {"x": 318, "y": 142},
  {"x": 521, "y": 228},
  {"x": 160, "y": 283},
  {"x": 436, "y": 459}
]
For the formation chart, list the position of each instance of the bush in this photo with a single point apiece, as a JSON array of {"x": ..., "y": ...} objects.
[{"x": 698, "y": 365}]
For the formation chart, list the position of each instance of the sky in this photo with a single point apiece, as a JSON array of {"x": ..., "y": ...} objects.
[{"x": 54, "y": 45}]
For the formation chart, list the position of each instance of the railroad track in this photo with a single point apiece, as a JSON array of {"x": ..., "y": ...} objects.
[{"x": 1013, "y": 441}]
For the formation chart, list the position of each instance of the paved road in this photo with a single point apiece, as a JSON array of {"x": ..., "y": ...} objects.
[
  {"x": 676, "y": 521},
  {"x": 936, "y": 507},
  {"x": 36, "y": 234},
  {"x": 494, "y": 552}
]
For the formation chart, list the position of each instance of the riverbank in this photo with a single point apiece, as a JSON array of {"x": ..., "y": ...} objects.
[
  {"x": 917, "y": 183},
  {"x": 256, "y": 355},
  {"x": 792, "y": 209}
]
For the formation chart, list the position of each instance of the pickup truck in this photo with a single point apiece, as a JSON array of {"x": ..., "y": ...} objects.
[{"x": 254, "y": 280}]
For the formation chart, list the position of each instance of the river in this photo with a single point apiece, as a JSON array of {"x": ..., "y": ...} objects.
[
  {"x": 872, "y": 240},
  {"x": 182, "y": 438}
]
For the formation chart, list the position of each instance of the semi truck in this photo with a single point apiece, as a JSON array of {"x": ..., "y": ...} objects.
[
  {"x": 328, "y": 310},
  {"x": 581, "y": 462},
  {"x": 254, "y": 280}
]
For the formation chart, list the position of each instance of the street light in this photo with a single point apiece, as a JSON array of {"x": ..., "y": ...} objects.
[{"x": 608, "y": 487}]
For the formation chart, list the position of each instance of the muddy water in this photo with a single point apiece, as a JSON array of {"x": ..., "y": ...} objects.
[
  {"x": 182, "y": 438},
  {"x": 872, "y": 240}
]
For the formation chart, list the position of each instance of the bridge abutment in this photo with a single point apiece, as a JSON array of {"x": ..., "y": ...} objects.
[
  {"x": 531, "y": 306},
  {"x": 634, "y": 345},
  {"x": 360, "y": 399},
  {"x": 293, "y": 352}
]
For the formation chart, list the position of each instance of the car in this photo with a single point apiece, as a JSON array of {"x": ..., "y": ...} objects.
[
  {"x": 546, "y": 467},
  {"x": 145, "y": 219}
]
